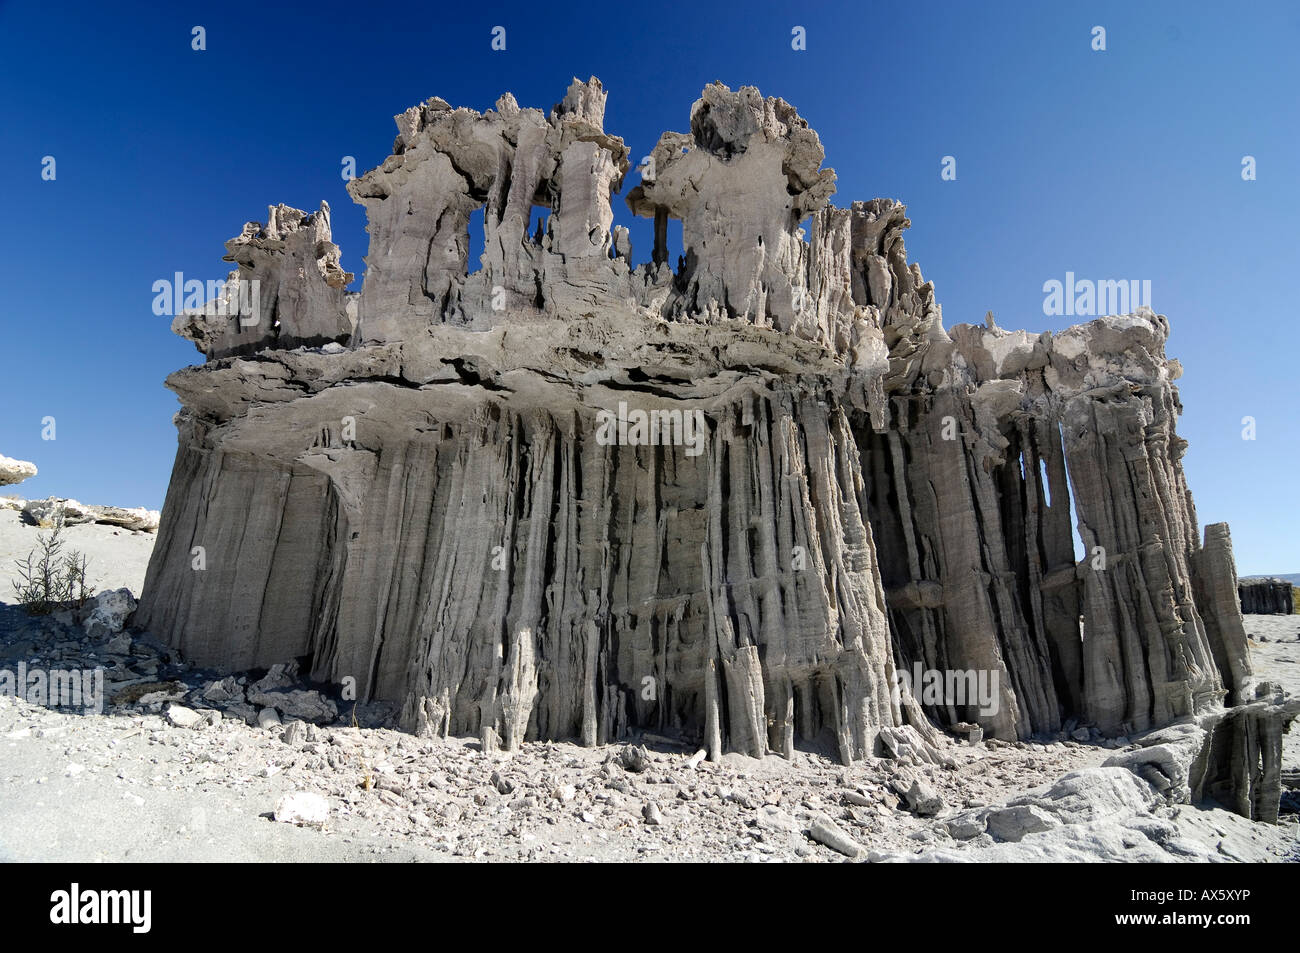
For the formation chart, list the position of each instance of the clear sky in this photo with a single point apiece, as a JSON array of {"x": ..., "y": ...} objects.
[{"x": 1122, "y": 163}]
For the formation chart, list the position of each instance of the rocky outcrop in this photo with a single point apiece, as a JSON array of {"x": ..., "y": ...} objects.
[
  {"x": 1214, "y": 573},
  {"x": 1240, "y": 765},
  {"x": 55, "y": 509},
  {"x": 1102, "y": 814},
  {"x": 740, "y": 182},
  {"x": 1266, "y": 596},
  {"x": 15, "y": 471},
  {"x": 555, "y": 494},
  {"x": 287, "y": 291}
]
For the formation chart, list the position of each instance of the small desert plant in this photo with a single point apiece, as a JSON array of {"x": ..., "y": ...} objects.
[
  {"x": 48, "y": 578},
  {"x": 368, "y": 780}
]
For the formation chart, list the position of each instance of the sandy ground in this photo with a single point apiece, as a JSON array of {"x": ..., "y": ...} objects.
[
  {"x": 128, "y": 785},
  {"x": 116, "y": 557}
]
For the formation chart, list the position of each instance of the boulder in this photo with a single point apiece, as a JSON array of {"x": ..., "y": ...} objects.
[
  {"x": 302, "y": 704},
  {"x": 183, "y": 717},
  {"x": 920, "y": 798},
  {"x": 1014, "y": 822},
  {"x": 829, "y": 834},
  {"x": 109, "y": 613},
  {"x": 52, "y": 510}
]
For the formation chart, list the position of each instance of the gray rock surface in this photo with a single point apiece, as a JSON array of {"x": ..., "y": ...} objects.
[
  {"x": 1214, "y": 574},
  {"x": 1240, "y": 766},
  {"x": 304, "y": 705},
  {"x": 1095, "y": 814}
]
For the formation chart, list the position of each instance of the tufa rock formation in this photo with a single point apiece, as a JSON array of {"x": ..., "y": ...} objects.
[
  {"x": 551, "y": 494},
  {"x": 287, "y": 291},
  {"x": 1266, "y": 596},
  {"x": 1240, "y": 766},
  {"x": 57, "y": 510}
]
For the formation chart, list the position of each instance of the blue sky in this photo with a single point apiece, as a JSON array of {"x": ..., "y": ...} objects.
[{"x": 1117, "y": 164}]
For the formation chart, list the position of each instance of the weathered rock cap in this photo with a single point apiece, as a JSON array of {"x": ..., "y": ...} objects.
[
  {"x": 288, "y": 289},
  {"x": 15, "y": 471}
]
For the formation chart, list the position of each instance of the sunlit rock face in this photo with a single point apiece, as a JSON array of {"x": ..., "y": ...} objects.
[{"x": 551, "y": 494}]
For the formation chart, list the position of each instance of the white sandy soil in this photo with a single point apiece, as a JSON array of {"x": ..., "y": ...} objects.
[{"x": 115, "y": 557}]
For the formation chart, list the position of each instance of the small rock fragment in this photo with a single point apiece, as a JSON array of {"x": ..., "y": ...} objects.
[
  {"x": 922, "y": 800},
  {"x": 118, "y": 645},
  {"x": 827, "y": 833},
  {"x": 183, "y": 717},
  {"x": 302, "y": 808},
  {"x": 294, "y": 733},
  {"x": 634, "y": 758}
]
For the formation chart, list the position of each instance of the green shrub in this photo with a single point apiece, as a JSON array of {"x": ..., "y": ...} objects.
[{"x": 48, "y": 578}]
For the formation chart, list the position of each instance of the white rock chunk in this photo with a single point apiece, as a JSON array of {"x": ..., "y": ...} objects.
[
  {"x": 108, "y": 617},
  {"x": 183, "y": 717},
  {"x": 15, "y": 471},
  {"x": 303, "y": 808}
]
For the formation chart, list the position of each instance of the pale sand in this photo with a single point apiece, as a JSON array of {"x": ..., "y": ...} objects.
[{"x": 117, "y": 557}]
